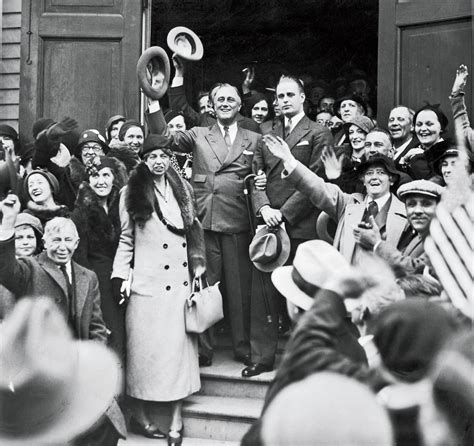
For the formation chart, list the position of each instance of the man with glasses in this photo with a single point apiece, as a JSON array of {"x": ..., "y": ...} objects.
[{"x": 355, "y": 214}]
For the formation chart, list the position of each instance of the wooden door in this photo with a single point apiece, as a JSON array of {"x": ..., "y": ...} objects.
[
  {"x": 79, "y": 61},
  {"x": 421, "y": 44}
]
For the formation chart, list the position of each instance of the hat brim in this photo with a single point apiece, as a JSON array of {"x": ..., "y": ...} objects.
[
  {"x": 284, "y": 283},
  {"x": 143, "y": 61},
  {"x": 98, "y": 380},
  {"x": 281, "y": 259},
  {"x": 198, "y": 49},
  {"x": 362, "y": 167}
]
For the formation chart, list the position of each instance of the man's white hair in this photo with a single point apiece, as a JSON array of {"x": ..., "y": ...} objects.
[{"x": 56, "y": 224}]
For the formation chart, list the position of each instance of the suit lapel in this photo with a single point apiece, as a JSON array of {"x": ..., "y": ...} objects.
[
  {"x": 241, "y": 142},
  {"x": 80, "y": 289},
  {"x": 353, "y": 217},
  {"x": 217, "y": 143},
  {"x": 396, "y": 221},
  {"x": 53, "y": 271},
  {"x": 298, "y": 132}
]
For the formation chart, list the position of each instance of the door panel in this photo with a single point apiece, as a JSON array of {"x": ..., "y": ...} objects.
[
  {"x": 83, "y": 56},
  {"x": 421, "y": 44}
]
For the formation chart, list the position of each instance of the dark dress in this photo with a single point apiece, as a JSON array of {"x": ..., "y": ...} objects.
[{"x": 99, "y": 234}]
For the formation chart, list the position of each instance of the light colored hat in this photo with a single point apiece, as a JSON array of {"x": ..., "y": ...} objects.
[
  {"x": 315, "y": 263},
  {"x": 185, "y": 43},
  {"x": 25, "y": 218},
  {"x": 420, "y": 187},
  {"x": 326, "y": 409},
  {"x": 52, "y": 387},
  {"x": 270, "y": 248}
]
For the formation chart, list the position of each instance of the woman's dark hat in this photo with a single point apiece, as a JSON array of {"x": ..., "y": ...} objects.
[
  {"x": 52, "y": 180},
  {"x": 159, "y": 61},
  {"x": 185, "y": 43},
  {"x": 90, "y": 135},
  {"x": 154, "y": 142},
  {"x": 378, "y": 160},
  {"x": 270, "y": 248},
  {"x": 6, "y": 130},
  {"x": 350, "y": 97}
]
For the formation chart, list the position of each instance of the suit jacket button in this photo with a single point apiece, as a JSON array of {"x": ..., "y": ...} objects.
[
  {"x": 167, "y": 267},
  {"x": 184, "y": 245},
  {"x": 185, "y": 264},
  {"x": 185, "y": 283},
  {"x": 165, "y": 246},
  {"x": 168, "y": 288}
]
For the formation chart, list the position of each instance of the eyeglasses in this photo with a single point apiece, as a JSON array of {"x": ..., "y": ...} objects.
[{"x": 96, "y": 148}]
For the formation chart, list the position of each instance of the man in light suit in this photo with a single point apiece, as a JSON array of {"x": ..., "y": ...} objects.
[
  {"x": 74, "y": 289},
  {"x": 222, "y": 158},
  {"x": 354, "y": 213}
]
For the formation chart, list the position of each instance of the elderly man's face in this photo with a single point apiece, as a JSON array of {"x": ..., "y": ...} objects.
[
  {"x": 399, "y": 124},
  {"x": 420, "y": 211},
  {"x": 377, "y": 181},
  {"x": 378, "y": 142},
  {"x": 61, "y": 244},
  {"x": 226, "y": 104}
]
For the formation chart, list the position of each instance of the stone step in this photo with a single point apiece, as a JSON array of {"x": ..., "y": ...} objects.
[
  {"x": 220, "y": 418},
  {"x": 136, "y": 440},
  {"x": 224, "y": 378}
]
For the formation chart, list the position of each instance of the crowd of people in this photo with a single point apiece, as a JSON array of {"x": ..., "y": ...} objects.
[{"x": 309, "y": 212}]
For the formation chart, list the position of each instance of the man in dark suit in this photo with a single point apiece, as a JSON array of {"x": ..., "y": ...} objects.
[
  {"x": 400, "y": 126},
  {"x": 178, "y": 102},
  {"x": 74, "y": 289}
]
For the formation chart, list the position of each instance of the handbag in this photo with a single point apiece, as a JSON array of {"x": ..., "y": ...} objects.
[{"x": 203, "y": 308}]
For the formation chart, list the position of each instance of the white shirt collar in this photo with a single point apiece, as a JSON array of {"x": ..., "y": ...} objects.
[
  {"x": 68, "y": 270},
  {"x": 294, "y": 119},
  {"x": 232, "y": 130},
  {"x": 380, "y": 201}
]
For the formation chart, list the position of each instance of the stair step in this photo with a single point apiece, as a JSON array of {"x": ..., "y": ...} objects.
[
  {"x": 224, "y": 378},
  {"x": 220, "y": 418},
  {"x": 136, "y": 440}
]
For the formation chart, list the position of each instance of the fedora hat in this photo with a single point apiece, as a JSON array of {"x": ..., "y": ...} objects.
[
  {"x": 52, "y": 387},
  {"x": 160, "y": 62},
  {"x": 270, "y": 248},
  {"x": 314, "y": 264},
  {"x": 378, "y": 159},
  {"x": 185, "y": 43}
]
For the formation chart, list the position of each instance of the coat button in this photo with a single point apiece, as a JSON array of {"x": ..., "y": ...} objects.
[
  {"x": 185, "y": 264},
  {"x": 184, "y": 245},
  {"x": 185, "y": 283},
  {"x": 165, "y": 246},
  {"x": 167, "y": 267},
  {"x": 168, "y": 288}
]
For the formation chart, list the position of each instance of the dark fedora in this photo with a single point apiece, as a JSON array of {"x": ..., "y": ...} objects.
[
  {"x": 160, "y": 62},
  {"x": 270, "y": 248},
  {"x": 185, "y": 43},
  {"x": 378, "y": 160},
  {"x": 52, "y": 387}
]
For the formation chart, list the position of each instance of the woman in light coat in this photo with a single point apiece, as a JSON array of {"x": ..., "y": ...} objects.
[{"x": 163, "y": 237}]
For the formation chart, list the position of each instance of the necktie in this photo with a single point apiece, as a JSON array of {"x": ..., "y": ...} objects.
[
  {"x": 227, "y": 138},
  {"x": 70, "y": 300},
  {"x": 372, "y": 210},
  {"x": 288, "y": 128}
]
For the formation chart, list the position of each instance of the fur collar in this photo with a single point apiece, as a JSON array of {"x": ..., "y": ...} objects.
[
  {"x": 77, "y": 172},
  {"x": 141, "y": 201},
  {"x": 47, "y": 213}
]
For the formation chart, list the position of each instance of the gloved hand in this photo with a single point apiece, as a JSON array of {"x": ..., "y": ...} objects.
[{"x": 120, "y": 297}]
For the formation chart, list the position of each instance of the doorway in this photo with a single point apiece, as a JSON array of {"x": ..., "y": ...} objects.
[{"x": 321, "y": 41}]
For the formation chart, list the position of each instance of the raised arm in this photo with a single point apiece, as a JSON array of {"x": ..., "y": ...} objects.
[{"x": 461, "y": 118}]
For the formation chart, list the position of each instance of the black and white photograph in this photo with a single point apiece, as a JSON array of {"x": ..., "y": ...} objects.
[{"x": 236, "y": 222}]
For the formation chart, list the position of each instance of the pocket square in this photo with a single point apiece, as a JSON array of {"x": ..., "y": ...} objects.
[
  {"x": 247, "y": 152},
  {"x": 303, "y": 143}
]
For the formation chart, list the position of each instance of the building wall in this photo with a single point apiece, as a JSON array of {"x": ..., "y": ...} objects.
[{"x": 10, "y": 65}]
